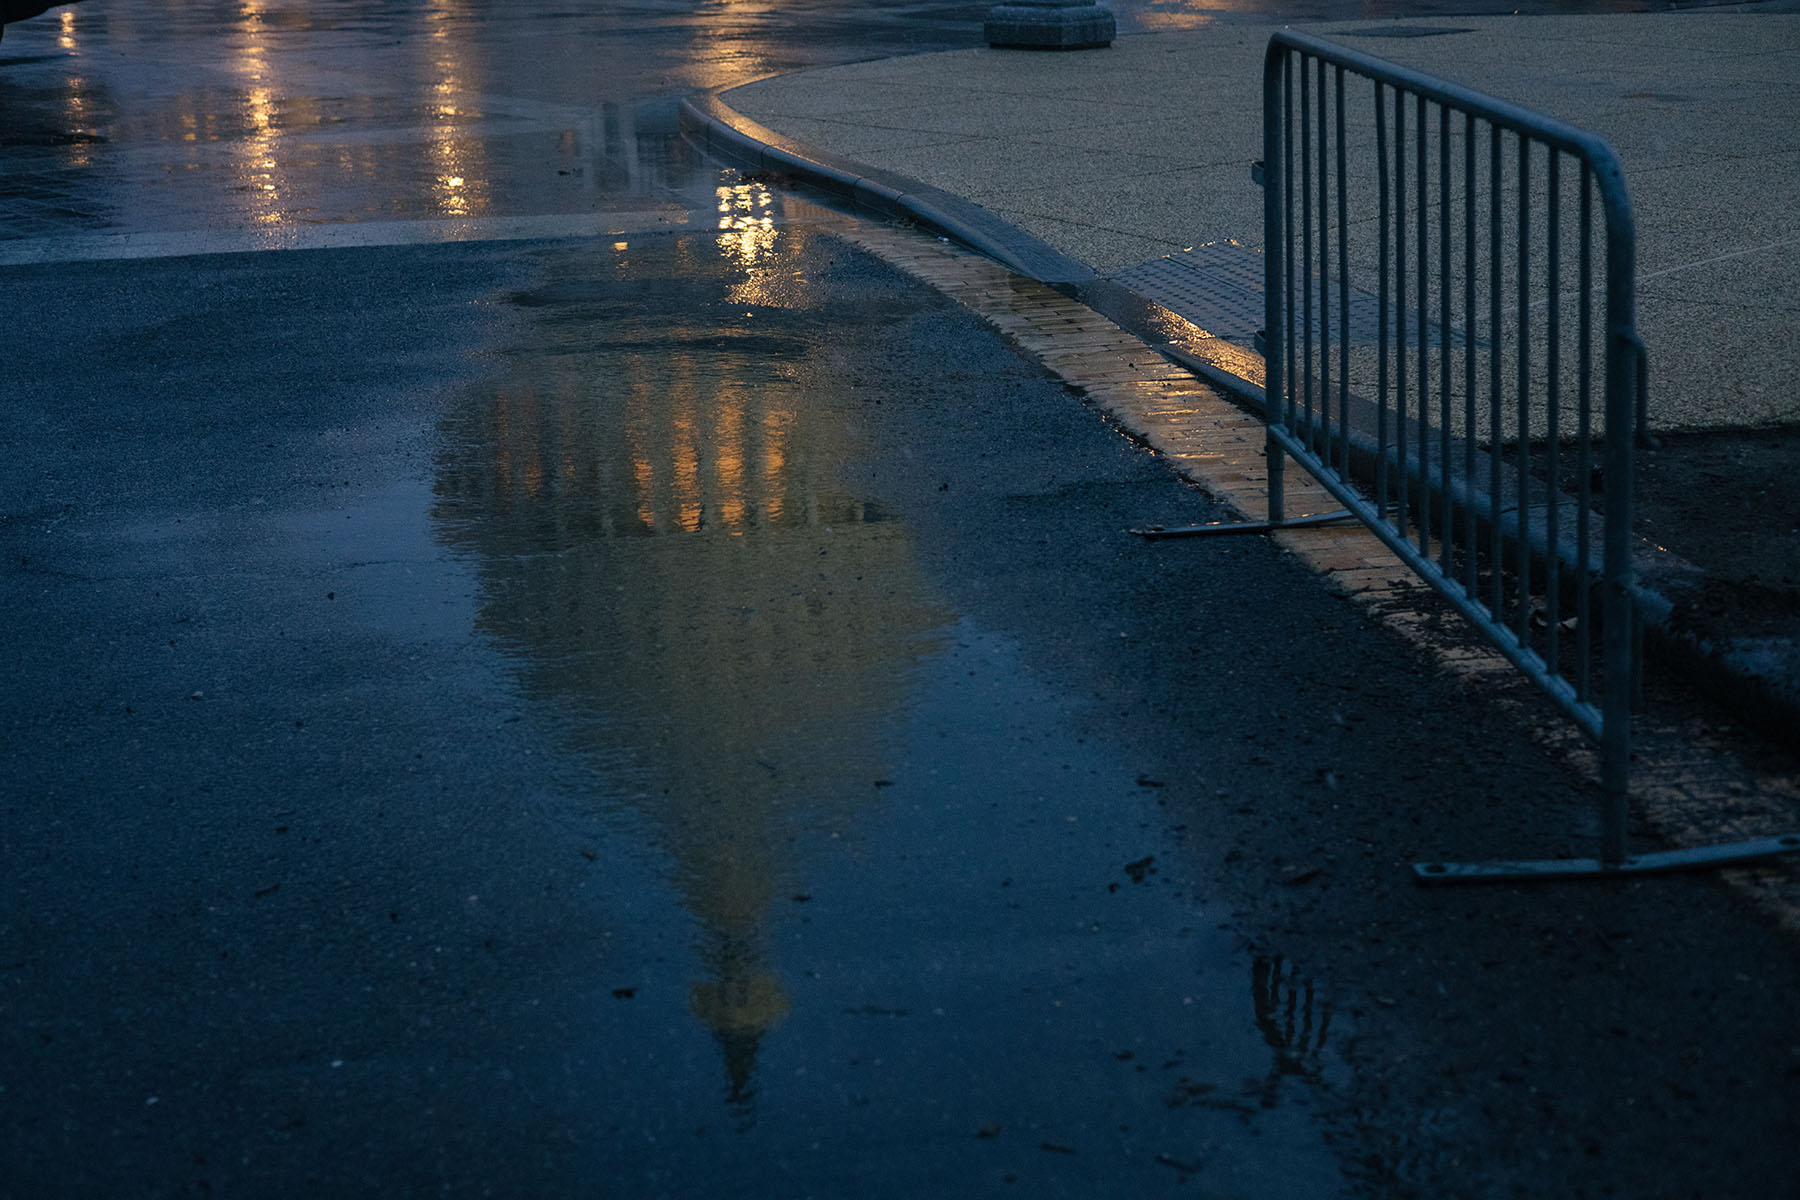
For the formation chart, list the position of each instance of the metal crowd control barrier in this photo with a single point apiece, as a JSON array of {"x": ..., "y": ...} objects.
[{"x": 1455, "y": 414}]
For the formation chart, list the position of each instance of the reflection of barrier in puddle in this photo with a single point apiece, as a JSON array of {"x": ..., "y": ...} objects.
[
  {"x": 1296, "y": 1027},
  {"x": 652, "y": 499},
  {"x": 1284, "y": 1006}
]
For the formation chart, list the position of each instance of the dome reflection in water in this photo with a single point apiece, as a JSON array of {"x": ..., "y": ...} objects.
[{"x": 650, "y": 496}]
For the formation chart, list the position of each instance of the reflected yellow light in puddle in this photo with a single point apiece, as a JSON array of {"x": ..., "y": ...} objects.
[
  {"x": 66, "y": 35},
  {"x": 459, "y": 181},
  {"x": 724, "y": 50},
  {"x": 746, "y": 222},
  {"x": 774, "y": 463},
  {"x": 643, "y": 475},
  {"x": 453, "y": 154},
  {"x": 260, "y": 162},
  {"x": 260, "y": 171},
  {"x": 76, "y": 110},
  {"x": 688, "y": 502},
  {"x": 728, "y": 455},
  {"x": 639, "y": 397},
  {"x": 699, "y": 456}
]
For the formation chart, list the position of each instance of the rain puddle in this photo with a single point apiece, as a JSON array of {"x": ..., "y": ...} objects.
[{"x": 882, "y": 910}]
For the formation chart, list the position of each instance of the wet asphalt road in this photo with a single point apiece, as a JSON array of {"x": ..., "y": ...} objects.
[
  {"x": 547, "y": 744},
  {"x": 593, "y": 686}
]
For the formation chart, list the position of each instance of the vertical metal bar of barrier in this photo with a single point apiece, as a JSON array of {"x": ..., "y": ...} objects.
[
  {"x": 1343, "y": 197},
  {"x": 1382, "y": 314},
  {"x": 1553, "y": 413},
  {"x": 1286, "y": 310},
  {"x": 1401, "y": 473},
  {"x": 1470, "y": 429},
  {"x": 1497, "y": 336},
  {"x": 1324, "y": 422},
  {"x": 1522, "y": 559},
  {"x": 1584, "y": 449},
  {"x": 1305, "y": 263},
  {"x": 1640, "y": 433},
  {"x": 1446, "y": 524},
  {"x": 1276, "y": 336},
  {"x": 1424, "y": 319}
]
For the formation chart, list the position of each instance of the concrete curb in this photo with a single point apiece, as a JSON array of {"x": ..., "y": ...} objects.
[
  {"x": 734, "y": 138},
  {"x": 1758, "y": 677}
]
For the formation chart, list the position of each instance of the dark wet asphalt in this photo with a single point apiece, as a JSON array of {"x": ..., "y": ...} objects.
[
  {"x": 665, "y": 711},
  {"x": 527, "y": 738}
]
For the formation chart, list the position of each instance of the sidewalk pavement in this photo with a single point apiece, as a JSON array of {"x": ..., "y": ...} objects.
[
  {"x": 1071, "y": 166},
  {"x": 1123, "y": 155}
]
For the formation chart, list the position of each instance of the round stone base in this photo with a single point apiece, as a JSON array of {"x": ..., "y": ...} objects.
[{"x": 1049, "y": 25}]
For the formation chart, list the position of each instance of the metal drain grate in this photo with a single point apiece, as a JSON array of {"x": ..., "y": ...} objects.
[{"x": 1219, "y": 287}]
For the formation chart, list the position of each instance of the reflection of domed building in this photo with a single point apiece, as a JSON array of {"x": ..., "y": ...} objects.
[
  {"x": 652, "y": 504},
  {"x": 739, "y": 1006}
]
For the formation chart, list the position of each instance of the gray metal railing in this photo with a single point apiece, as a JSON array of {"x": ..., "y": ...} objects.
[
  {"x": 1483, "y": 424},
  {"x": 1429, "y": 502}
]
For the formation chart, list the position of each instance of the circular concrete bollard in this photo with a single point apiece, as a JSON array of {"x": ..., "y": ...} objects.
[{"x": 1049, "y": 25}]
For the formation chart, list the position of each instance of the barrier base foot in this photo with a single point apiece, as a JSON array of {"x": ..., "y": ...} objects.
[
  {"x": 1221, "y": 528},
  {"x": 1698, "y": 858}
]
